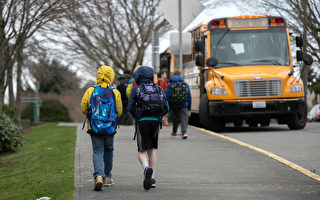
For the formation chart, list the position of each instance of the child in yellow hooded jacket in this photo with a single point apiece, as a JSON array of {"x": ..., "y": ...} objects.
[{"x": 102, "y": 145}]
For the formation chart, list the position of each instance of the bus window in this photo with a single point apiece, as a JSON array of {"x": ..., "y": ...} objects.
[{"x": 250, "y": 47}]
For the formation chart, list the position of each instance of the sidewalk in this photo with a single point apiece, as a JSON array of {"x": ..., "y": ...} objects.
[{"x": 201, "y": 167}]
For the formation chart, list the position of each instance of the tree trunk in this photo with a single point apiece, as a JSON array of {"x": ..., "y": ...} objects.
[
  {"x": 2, "y": 90},
  {"x": 19, "y": 82},
  {"x": 10, "y": 86}
]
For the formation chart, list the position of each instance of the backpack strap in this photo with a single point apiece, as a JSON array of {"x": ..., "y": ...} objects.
[
  {"x": 115, "y": 101},
  {"x": 135, "y": 130}
]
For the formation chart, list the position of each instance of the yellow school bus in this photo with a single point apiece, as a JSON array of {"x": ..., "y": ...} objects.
[{"x": 241, "y": 71}]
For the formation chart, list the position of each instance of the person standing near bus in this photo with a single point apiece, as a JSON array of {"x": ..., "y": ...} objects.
[
  {"x": 163, "y": 83},
  {"x": 179, "y": 97}
]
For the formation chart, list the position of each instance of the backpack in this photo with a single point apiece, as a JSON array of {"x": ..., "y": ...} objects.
[
  {"x": 122, "y": 86},
  {"x": 178, "y": 93},
  {"x": 150, "y": 100},
  {"x": 102, "y": 112}
]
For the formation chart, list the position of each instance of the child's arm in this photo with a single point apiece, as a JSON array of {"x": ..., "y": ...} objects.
[
  {"x": 118, "y": 102},
  {"x": 86, "y": 100},
  {"x": 132, "y": 103}
]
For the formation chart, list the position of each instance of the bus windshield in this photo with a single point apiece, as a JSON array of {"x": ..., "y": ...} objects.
[{"x": 250, "y": 47}]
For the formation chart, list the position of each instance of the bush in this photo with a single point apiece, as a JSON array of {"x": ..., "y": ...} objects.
[
  {"x": 11, "y": 138},
  {"x": 10, "y": 112},
  {"x": 50, "y": 111}
]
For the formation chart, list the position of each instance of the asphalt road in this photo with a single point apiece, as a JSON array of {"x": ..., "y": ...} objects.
[
  {"x": 301, "y": 147},
  {"x": 201, "y": 167}
]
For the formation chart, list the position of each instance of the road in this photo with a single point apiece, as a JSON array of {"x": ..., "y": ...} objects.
[
  {"x": 202, "y": 167},
  {"x": 301, "y": 147}
]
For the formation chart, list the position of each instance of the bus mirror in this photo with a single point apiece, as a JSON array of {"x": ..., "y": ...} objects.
[
  {"x": 299, "y": 41},
  {"x": 199, "y": 60},
  {"x": 198, "y": 45},
  {"x": 211, "y": 62},
  {"x": 307, "y": 59},
  {"x": 299, "y": 55}
]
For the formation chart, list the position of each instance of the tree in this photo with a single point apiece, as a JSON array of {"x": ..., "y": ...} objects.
[
  {"x": 114, "y": 33},
  {"x": 314, "y": 81},
  {"x": 19, "y": 20},
  {"x": 53, "y": 77}
]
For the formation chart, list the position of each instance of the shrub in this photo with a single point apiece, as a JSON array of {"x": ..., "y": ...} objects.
[
  {"x": 10, "y": 112},
  {"x": 50, "y": 111},
  {"x": 11, "y": 138}
]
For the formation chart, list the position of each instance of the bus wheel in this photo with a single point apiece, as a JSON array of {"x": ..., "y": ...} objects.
[
  {"x": 252, "y": 123},
  {"x": 205, "y": 119},
  {"x": 238, "y": 123},
  {"x": 299, "y": 119},
  {"x": 265, "y": 122}
]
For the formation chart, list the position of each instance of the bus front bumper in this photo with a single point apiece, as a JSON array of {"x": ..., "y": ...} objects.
[{"x": 247, "y": 108}]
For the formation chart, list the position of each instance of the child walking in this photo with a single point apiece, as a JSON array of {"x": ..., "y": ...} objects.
[
  {"x": 147, "y": 104},
  {"x": 102, "y": 105},
  {"x": 179, "y": 97}
]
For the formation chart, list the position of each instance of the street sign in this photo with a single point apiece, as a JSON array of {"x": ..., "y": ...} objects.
[
  {"x": 190, "y": 10},
  {"x": 186, "y": 43}
]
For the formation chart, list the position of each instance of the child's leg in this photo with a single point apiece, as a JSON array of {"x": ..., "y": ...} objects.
[
  {"x": 143, "y": 159},
  {"x": 175, "y": 120},
  {"x": 98, "y": 151},
  {"x": 108, "y": 155},
  {"x": 152, "y": 160},
  {"x": 184, "y": 119}
]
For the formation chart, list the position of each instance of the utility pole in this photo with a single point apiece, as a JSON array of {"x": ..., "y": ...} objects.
[
  {"x": 155, "y": 51},
  {"x": 180, "y": 35}
]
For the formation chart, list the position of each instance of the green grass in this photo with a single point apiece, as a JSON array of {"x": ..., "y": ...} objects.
[{"x": 44, "y": 165}]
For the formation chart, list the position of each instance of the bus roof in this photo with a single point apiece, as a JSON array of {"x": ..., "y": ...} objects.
[{"x": 243, "y": 21}]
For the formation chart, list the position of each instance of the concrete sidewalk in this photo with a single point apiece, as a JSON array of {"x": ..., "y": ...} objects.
[{"x": 201, "y": 167}]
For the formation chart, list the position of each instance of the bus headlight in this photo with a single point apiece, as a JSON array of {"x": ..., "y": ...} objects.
[
  {"x": 218, "y": 91},
  {"x": 296, "y": 88}
]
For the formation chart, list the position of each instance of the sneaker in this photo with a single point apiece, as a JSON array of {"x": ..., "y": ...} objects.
[
  {"x": 108, "y": 182},
  {"x": 184, "y": 135},
  {"x": 174, "y": 134},
  {"x": 98, "y": 183},
  {"x": 147, "y": 178},
  {"x": 153, "y": 183}
]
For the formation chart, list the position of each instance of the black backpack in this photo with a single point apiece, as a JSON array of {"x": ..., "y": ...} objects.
[
  {"x": 150, "y": 100},
  {"x": 122, "y": 86},
  {"x": 178, "y": 93}
]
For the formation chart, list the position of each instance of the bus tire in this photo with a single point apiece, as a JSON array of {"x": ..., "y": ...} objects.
[
  {"x": 205, "y": 119},
  {"x": 238, "y": 123},
  {"x": 299, "y": 119},
  {"x": 265, "y": 122}
]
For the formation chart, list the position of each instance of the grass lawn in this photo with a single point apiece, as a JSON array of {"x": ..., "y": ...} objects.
[{"x": 44, "y": 165}]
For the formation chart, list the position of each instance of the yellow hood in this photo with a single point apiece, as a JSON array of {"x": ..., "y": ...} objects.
[{"x": 105, "y": 76}]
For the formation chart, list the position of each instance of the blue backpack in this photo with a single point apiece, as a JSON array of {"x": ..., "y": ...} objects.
[{"x": 102, "y": 112}]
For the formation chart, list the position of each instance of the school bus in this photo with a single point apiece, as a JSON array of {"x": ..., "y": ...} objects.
[{"x": 241, "y": 71}]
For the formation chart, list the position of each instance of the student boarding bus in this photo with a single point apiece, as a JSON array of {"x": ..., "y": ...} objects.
[{"x": 241, "y": 71}]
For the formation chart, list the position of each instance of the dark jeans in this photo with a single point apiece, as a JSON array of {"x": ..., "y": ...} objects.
[
  {"x": 180, "y": 115},
  {"x": 102, "y": 146}
]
